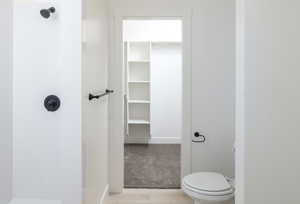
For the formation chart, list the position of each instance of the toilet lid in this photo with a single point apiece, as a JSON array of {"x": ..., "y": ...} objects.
[{"x": 207, "y": 181}]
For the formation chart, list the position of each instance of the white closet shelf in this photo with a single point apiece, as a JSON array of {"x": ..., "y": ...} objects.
[
  {"x": 138, "y": 101},
  {"x": 166, "y": 42},
  {"x": 138, "y": 81},
  {"x": 139, "y": 122},
  {"x": 139, "y": 61}
]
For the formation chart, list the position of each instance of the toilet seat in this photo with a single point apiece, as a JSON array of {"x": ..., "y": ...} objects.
[{"x": 208, "y": 186}]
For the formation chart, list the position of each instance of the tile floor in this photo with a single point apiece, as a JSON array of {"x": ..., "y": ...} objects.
[{"x": 150, "y": 196}]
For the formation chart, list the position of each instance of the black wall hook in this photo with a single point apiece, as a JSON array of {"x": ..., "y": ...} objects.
[
  {"x": 107, "y": 91},
  {"x": 46, "y": 13}
]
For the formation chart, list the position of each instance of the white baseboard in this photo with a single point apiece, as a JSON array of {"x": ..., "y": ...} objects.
[
  {"x": 103, "y": 198},
  {"x": 165, "y": 140},
  {"x": 34, "y": 201},
  {"x": 136, "y": 140},
  {"x": 154, "y": 140}
]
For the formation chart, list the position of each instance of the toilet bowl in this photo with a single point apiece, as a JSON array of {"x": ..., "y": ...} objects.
[{"x": 210, "y": 187}]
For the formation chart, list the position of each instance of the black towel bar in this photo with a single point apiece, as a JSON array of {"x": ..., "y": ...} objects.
[{"x": 107, "y": 92}]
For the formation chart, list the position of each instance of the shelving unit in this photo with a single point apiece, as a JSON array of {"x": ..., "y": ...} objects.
[
  {"x": 138, "y": 81},
  {"x": 138, "y": 122},
  {"x": 140, "y": 60},
  {"x": 138, "y": 101}
]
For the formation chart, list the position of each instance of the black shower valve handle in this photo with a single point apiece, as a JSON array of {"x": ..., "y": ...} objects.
[{"x": 52, "y": 103}]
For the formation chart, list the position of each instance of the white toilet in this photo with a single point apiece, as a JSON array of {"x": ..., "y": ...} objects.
[{"x": 209, "y": 187}]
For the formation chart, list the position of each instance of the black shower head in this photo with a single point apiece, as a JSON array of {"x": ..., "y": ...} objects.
[{"x": 46, "y": 13}]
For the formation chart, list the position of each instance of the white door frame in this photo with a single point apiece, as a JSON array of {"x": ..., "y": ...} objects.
[{"x": 116, "y": 82}]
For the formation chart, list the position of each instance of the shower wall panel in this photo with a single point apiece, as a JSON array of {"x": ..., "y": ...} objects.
[
  {"x": 6, "y": 101},
  {"x": 47, "y": 61}
]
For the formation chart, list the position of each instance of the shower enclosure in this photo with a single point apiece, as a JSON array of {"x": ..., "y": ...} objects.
[
  {"x": 47, "y": 61},
  {"x": 46, "y": 160}
]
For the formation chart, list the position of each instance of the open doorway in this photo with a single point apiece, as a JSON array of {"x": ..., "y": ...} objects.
[
  {"x": 152, "y": 54},
  {"x": 119, "y": 101}
]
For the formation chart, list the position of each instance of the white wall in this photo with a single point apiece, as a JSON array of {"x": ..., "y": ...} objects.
[
  {"x": 166, "y": 93},
  {"x": 271, "y": 101},
  {"x": 212, "y": 68},
  {"x": 239, "y": 124},
  {"x": 166, "y": 74},
  {"x": 152, "y": 30},
  {"x": 213, "y": 86},
  {"x": 47, "y": 60},
  {"x": 6, "y": 101},
  {"x": 95, "y": 113}
]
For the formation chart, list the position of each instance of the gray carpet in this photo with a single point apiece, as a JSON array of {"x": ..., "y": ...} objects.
[{"x": 152, "y": 166}]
